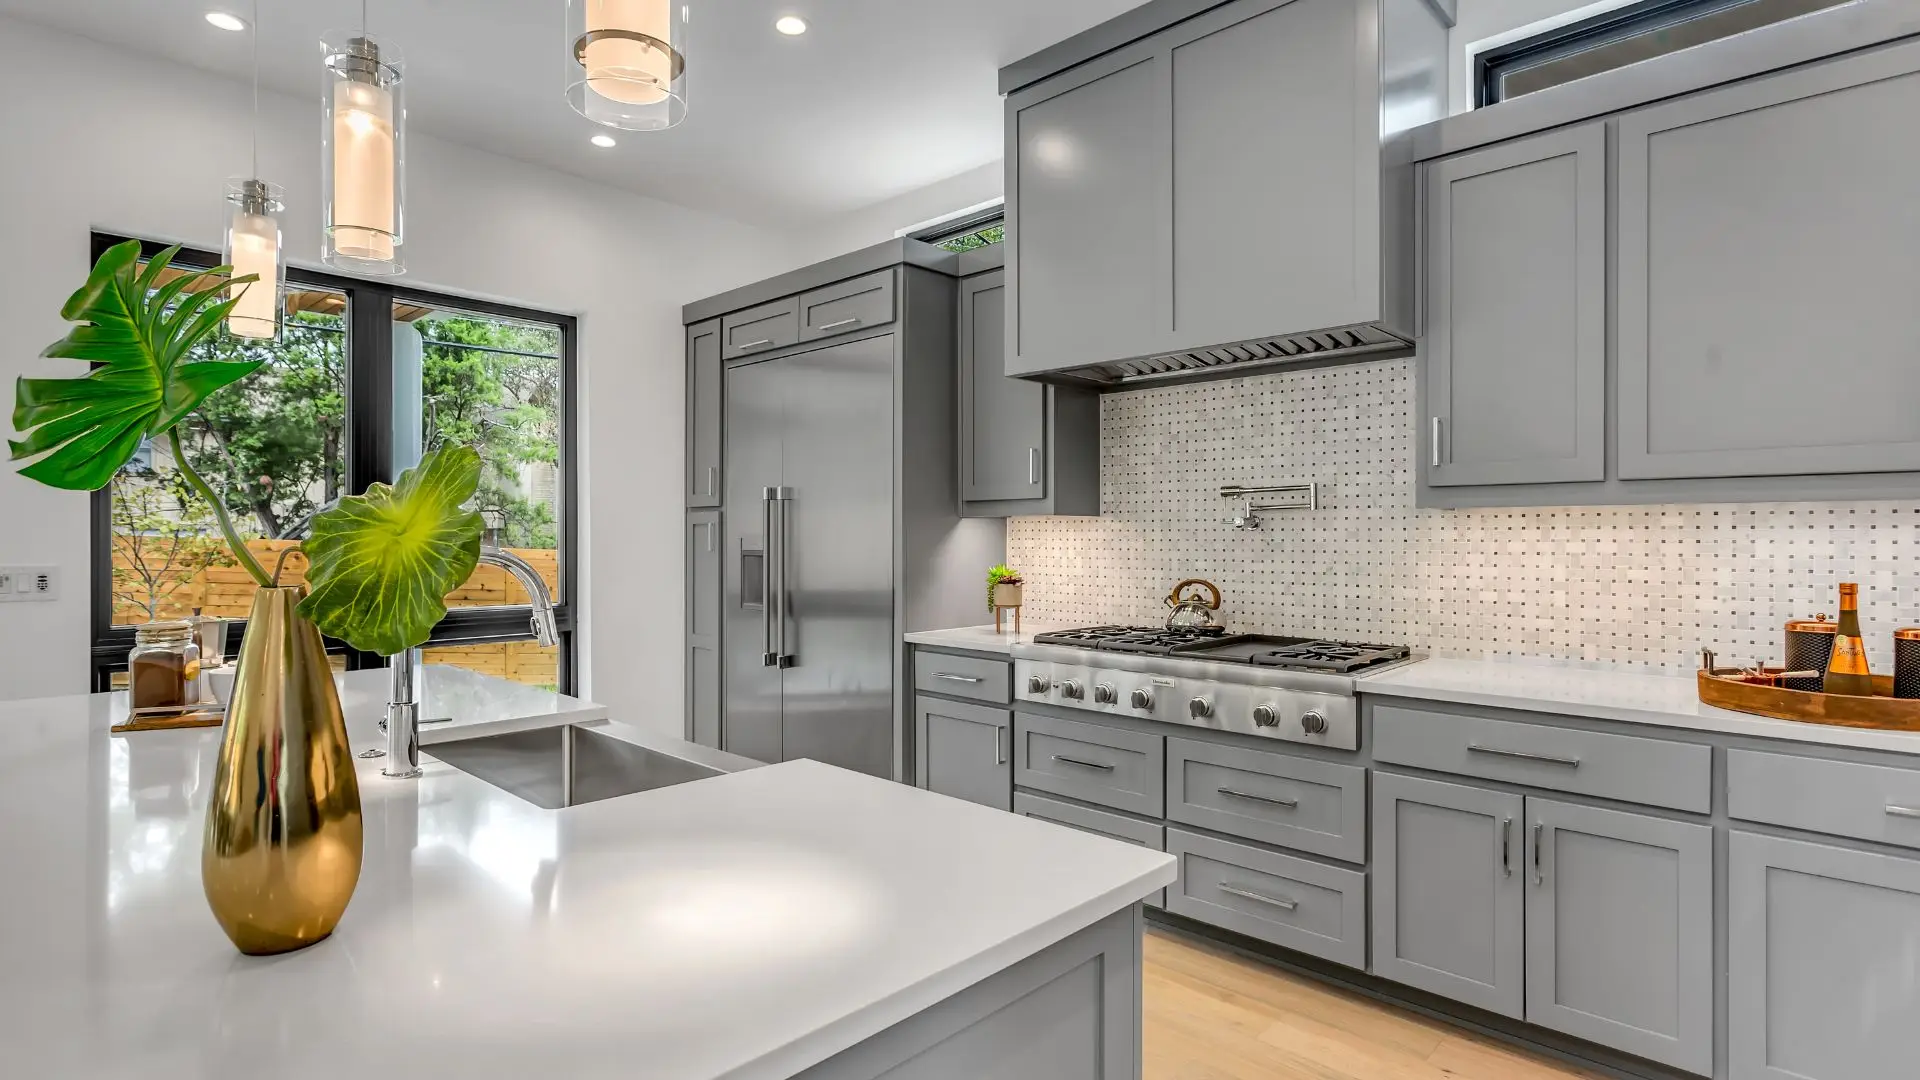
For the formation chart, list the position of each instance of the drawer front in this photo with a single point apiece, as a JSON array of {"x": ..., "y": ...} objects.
[
  {"x": 1293, "y": 802},
  {"x": 1122, "y": 769},
  {"x": 768, "y": 326},
  {"x": 1293, "y": 903},
  {"x": 1645, "y": 771},
  {"x": 962, "y": 676},
  {"x": 1867, "y": 802},
  {"x": 848, "y": 306},
  {"x": 1147, "y": 834}
]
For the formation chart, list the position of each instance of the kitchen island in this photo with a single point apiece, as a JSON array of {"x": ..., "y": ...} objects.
[{"x": 791, "y": 919}]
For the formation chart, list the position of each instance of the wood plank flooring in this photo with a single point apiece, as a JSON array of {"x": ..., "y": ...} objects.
[{"x": 1212, "y": 1015}]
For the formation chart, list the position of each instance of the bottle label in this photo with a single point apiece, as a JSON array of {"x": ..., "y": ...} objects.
[{"x": 1849, "y": 657}]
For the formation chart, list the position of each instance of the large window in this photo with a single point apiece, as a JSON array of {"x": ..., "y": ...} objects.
[
  {"x": 1626, "y": 35},
  {"x": 964, "y": 233},
  {"x": 365, "y": 377}
]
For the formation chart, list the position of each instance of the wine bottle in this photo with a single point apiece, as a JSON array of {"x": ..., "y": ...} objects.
[{"x": 1847, "y": 671}]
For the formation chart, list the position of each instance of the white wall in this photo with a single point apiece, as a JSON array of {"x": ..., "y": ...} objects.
[
  {"x": 96, "y": 137},
  {"x": 1482, "y": 24},
  {"x": 882, "y": 221}
]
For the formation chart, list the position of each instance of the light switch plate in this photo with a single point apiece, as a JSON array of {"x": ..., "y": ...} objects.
[{"x": 25, "y": 584}]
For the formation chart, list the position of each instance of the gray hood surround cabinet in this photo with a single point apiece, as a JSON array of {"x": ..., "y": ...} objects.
[{"x": 1209, "y": 190}]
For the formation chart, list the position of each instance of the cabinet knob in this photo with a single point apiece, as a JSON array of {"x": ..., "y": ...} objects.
[
  {"x": 1142, "y": 699},
  {"x": 1264, "y": 716},
  {"x": 1314, "y": 723}
]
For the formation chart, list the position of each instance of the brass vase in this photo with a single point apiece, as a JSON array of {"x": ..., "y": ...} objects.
[{"x": 283, "y": 838}]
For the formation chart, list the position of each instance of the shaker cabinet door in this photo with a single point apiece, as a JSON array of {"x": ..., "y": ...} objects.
[
  {"x": 703, "y": 627},
  {"x": 1447, "y": 890},
  {"x": 1620, "y": 931},
  {"x": 1003, "y": 420},
  {"x": 704, "y": 414},
  {"x": 1516, "y": 293},
  {"x": 1767, "y": 231},
  {"x": 1821, "y": 949},
  {"x": 965, "y": 751}
]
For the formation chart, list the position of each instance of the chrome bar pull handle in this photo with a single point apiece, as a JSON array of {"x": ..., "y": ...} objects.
[
  {"x": 999, "y": 745},
  {"x": 783, "y": 500},
  {"x": 855, "y": 321},
  {"x": 1506, "y": 846},
  {"x": 1904, "y": 811},
  {"x": 1546, "y": 759},
  {"x": 1033, "y": 464},
  {"x": 951, "y": 677},
  {"x": 1270, "y": 800},
  {"x": 713, "y": 480},
  {"x": 1539, "y": 841},
  {"x": 754, "y": 344},
  {"x": 1083, "y": 764},
  {"x": 1436, "y": 441},
  {"x": 1280, "y": 902},
  {"x": 769, "y": 653}
]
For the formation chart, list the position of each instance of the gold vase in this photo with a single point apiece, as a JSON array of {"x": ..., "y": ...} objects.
[{"x": 282, "y": 847}]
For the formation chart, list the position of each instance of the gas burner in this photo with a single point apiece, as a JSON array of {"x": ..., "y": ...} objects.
[
  {"x": 1334, "y": 656},
  {"x": 1150, "y": 640}
]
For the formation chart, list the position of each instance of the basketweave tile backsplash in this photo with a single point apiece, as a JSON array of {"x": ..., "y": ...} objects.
[{"x": 1638, "y": 586}]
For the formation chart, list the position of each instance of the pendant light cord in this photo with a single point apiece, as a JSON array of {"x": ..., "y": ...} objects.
[{"x": 256, "y": 89}]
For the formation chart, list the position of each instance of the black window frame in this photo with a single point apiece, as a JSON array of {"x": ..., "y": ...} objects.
[
  {"x": 966, "y": 224},
  {"x": 1491, "y": 66},
  {"x": 368, "y": 446}
]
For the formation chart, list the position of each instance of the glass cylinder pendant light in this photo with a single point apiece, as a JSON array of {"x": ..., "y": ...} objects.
[
  {"x": 363, "y": 154},
  {"x": 253, "y": 235},
  {"x": 628, "y": 66}
]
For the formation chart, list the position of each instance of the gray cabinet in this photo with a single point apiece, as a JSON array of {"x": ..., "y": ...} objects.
[
  {"x": 1766, "y": 240},
  {"x": 1619, "y": 918},
  {"x": 1515, "y": 339},
  {"x": 1448, "y": 891},
  {"x": 758, "y": 329},
  {"x": 847, "y": 306},
  {"x": 1025, "y": 447},
  {"x": 705, "y": 413},
  {"x": 703, "y": 627},
  {"x": 1820, "y": 962},
  {"x": 964, "y": 751}
]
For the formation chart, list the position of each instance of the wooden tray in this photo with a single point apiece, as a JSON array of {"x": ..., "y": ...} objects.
[{"x": 1723, "y": 689}]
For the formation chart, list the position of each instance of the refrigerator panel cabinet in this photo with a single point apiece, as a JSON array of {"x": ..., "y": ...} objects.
[
  {"x": 704, "y": 589},
  {"x": 1514, "y": 351},
  {"x": 965, "y": 751},
  {"x": 1619, "y": 921},
  {"x": 1447, "y": 895},
  {"x": 1820, "y": 961},
  {"x": 705, "y": 414}
]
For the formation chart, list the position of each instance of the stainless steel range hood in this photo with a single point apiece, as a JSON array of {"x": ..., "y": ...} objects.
[{"x": 1239, "y": 359}]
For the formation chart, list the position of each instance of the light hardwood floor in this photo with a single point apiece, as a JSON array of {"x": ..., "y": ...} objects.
[{"x": 1213, "y": 1015}]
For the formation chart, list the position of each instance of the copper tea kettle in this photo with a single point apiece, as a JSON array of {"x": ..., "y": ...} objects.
[{"x": 1190, "y": 612}]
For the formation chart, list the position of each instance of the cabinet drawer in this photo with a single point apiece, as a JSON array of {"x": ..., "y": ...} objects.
[
  {"x": 1122, "y": 769},
  {"x": 1294, "y": 802},
  {"x": 1147, "y": 834},
  {"x": 1293, "y": 903},
  {"x": 962, "y": 676},
  {"x": 847, "y": 306},
  {"x": 1867, "y": 802},
  {"x": 1646, "y": 771},
  {"x": 758, "y": 329}
]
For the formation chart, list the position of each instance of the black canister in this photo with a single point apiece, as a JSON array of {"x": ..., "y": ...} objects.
[
  {"x": 1809, "y": 647},
  {"x": 1906, "y": 662}
]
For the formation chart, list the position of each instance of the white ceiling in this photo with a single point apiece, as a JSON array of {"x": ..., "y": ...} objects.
[{"x": 879, "y": 96}]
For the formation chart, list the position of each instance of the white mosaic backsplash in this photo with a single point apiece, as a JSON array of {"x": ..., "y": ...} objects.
[{"x": 1643, "y": 586}]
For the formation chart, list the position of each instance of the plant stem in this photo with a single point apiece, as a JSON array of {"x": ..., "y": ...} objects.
[{"x": 234, "y": 543}]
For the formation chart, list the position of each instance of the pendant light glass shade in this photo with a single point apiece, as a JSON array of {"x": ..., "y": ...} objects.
[
  {"x": 627, "y": 62},
  {"x": 253, "y": 247},
  {"x": 363, "y": 155}
]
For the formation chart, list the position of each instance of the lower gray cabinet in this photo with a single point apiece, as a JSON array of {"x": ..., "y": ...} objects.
[
  {"x": 703, "y": 628},
  {"x": 1448, "y": 891},
  {"x": 1307, "y": 906},
  {"x": 964, "y": 751},
  {"x": 1619, "y": 920},
  {"x": 1822, "y": 945}
]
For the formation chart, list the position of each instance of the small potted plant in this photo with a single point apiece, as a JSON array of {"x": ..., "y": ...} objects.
[{"x": 1004, "y": 590}]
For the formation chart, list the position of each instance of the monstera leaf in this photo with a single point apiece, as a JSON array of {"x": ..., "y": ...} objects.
[
  {"x": 381, "y": 564},
  {"x": 137, "y": 333}
]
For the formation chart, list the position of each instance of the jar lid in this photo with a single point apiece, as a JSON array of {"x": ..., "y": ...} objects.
[
  {"x": 1819, "y": 624},
  {"x": 1907, "y": 633},
  {"x": 163, "y": 632}
]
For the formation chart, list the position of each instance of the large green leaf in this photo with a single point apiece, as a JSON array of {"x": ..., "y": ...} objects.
[
  {"x": 137, "y": 334},
  {"x": 381, "y": 564}
]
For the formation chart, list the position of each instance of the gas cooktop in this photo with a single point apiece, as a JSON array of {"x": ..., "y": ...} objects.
[{"x": 1215, "y": 644}]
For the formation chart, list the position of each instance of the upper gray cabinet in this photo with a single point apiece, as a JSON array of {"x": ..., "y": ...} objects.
[
  {"x": 1767, "y": 240},
  {"x": 704, "y": 413},
  {"x": 1515, "y": 342},
  {"x": 1025, "y": 448},
  {"x": 1210, "y": 194}
]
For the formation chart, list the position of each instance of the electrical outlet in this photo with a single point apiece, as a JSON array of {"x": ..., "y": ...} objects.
[{"x": 24, "y": 584}]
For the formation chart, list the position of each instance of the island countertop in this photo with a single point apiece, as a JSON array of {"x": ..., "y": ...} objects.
[{"x": 744, "y": 926}]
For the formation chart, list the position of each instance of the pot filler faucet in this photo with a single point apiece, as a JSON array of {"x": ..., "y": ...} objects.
[{"x": 403, "y": 709}]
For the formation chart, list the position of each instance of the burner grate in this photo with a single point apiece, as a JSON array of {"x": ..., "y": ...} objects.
[
  {"x": 1214, "y": 643},
  {"x": 1336, "y": 656},
  {"x": 1153, "y": 640}
]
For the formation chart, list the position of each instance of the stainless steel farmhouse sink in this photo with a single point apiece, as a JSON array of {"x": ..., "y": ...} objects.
[{"x": 570, "y": 765}]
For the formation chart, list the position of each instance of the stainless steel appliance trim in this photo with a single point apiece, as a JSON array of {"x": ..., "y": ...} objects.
[
  {"x": 1103, "y": 767},
  {"x": 854, "y": 321},
  {"x": 1280, "y": 902},
  {"x": 951, "y": 677},
  {"x": 1251, "y": 797},
  {"x": 1506, "y": 846},
  {"x": 1904, "y": 811},
  {"x": 1548, "y": 759}
]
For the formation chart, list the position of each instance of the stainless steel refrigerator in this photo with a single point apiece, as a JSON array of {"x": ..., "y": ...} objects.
[{"x": 842, "y": 531}]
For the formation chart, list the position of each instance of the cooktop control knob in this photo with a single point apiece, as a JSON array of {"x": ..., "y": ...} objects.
[
  {"x": 1264, "y": 716},
  {"x": 1105, "y": 694},
  {"x": 1072, "y": 689},
  {"x": 1200, "y": 708},
  {"x": 1314, "y": 723},
  {"x": 1038, "y": 684},
  {"x": 1143, "y": 699}
]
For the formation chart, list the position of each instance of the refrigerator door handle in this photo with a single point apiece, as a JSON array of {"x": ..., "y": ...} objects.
[
  {"x": 769, "y": 654},
  {"x": 781, "y": 501}
]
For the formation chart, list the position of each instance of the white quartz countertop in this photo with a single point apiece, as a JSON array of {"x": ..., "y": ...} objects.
[
  {"x": 981, "y": 638},
  {"x": 745, "y": 926},
  {"x": 1661, "y": 700}
]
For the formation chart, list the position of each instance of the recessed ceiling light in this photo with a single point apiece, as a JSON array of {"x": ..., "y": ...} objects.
[
  {"x": 790, "y": 25},
  {"x": 602, "y": 141},
  {"x": 225, "y": 21}
]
